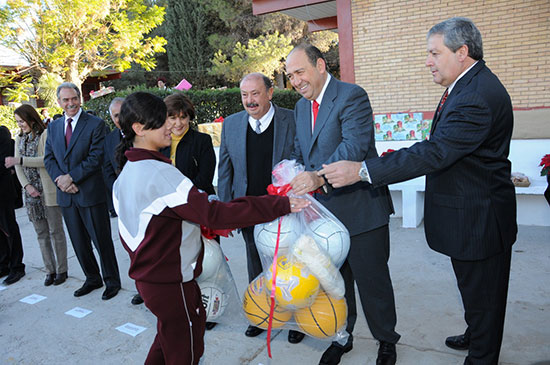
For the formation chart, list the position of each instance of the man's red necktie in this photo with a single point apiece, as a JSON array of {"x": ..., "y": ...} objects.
[
  {"x": 315, "y": 107},
  {"x": 443, "y": 101},
  {"x": 68, "y": 132}
]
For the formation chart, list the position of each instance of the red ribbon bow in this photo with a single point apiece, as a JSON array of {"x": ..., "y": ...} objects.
[
  {"x": 212, "y": 233},
  {"x": 278, "y": 190}
]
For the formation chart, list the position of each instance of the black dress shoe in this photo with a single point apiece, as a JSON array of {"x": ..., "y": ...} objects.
[
  {"x": 253, "y": 331},
  {"x": 334, "y": 353},
  {"x": 110, "y": 292},
  {"x": 49, "y": 279},
  {"x": 460, "y": 342},
  {"x": 86, "y": 289},
  {"x": 295, "y": 336},
  {"x": 210, "y": 325},
  {"x": 60, "y": 278},
  {"x": 14, "y": 277},
  {"x": 137, "y": 299},
  {"x": 386, "y": 354},
  {"x": 4, "y": 272}
]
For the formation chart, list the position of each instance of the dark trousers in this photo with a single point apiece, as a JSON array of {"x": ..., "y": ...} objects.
[
  {"x": 367, "y": 265},
  {"x": 483, "y": 286},
  {"x": 86, "y": 224},
  {"x": 11, "y": 247},
  {"x": 254, "y": 264},
  {"x": 181, "y": 320}
]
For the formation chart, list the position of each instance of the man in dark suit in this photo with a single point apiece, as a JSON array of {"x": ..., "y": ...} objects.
[
  {"x": 470, "y": 204},
  {"x": 73, "y": 158},
  {"x": 334, "y": 122},
  {"x": 252, "y": 142},
  {"x": 112, "y": 139}
]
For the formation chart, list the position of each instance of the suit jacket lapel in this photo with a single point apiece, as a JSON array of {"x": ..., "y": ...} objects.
[
  {"x": 437, "y": 115},
  {"x": 280, "y": 132},
  {"x": 324, "y": 110},
  {"x": 240, "y": 138},
  {"x": 303, "y": 122}
]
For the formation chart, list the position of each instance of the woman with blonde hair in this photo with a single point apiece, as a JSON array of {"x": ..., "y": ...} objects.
[{"x": 40, "y": 193}]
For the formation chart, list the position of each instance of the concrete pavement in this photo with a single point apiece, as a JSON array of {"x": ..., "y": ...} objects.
[{"x": 428, "y": 310}]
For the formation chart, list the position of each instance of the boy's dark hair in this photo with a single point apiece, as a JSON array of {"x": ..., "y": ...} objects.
[{"x": 142, "y": 108}]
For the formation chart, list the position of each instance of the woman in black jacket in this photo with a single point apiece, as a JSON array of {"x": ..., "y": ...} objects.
[{"x": 191, "y": 151}]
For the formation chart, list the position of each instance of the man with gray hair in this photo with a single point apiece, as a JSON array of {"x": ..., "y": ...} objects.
[
  {"x": 73, "y": 158},
  {"x": 470, "y": 203}
]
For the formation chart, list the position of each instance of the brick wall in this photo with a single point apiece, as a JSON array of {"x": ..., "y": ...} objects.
[{"x": 389, "y": 38}]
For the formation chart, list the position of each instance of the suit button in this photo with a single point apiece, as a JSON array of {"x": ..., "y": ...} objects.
[{"x": 312, "y": 166}]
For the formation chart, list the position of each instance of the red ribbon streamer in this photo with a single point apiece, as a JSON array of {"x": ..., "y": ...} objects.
[
  {"x": 273, "y": 288},
  {"x": 281, "y": 191}
]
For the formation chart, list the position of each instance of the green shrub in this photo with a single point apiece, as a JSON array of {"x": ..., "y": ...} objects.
[{"x": 209, "y": 104}]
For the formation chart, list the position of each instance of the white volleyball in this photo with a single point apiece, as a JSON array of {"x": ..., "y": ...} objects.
[
  {"x": 265, "y": 235},
  {"x": 332, "y": 237},
  {"x": 214, "y": 300},
  {"x": 212, "y": 261}
]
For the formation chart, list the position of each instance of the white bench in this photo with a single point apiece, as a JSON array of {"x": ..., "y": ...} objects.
[{"x": 525, "y": 155}]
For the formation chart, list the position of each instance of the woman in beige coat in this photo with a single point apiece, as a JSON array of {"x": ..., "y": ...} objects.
[{"x": 40, "y": 193}]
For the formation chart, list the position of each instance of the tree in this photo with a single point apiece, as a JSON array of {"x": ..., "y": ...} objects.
[
  {"x": 47, "y": 87},
  {"x": 187, "y": 29},
  {"x": 74, "y": 38},
  {"x": 16, "y": 86},
  {"x": 263, "y": 54}
]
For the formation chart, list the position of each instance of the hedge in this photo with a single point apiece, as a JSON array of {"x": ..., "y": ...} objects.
[{"x": 209, "y": 104}]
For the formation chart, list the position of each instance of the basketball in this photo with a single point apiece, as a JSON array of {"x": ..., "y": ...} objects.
[
  {"x": 331, "y": 237},
  {"x": 265, "y": 235},
  {"x": 296, "y": 285},
  {"x": 214, "y": 300},
  {"x": 213, "y": 259},
  {"x": 324, "y": 318},
  {"x": 257, "y": 304}
]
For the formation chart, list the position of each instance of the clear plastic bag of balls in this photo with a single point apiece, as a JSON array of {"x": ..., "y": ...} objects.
[
  {"x": 308, "y": 288},
  {"x": 218, "y": 290}
]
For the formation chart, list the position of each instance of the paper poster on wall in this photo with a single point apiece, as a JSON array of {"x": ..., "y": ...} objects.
[{"x": 401, "y": 127}]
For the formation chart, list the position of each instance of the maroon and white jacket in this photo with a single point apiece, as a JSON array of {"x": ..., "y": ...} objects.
[{"x": 159, "y": 213}]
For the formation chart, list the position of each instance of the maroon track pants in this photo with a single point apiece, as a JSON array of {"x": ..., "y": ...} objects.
[{"x": 181, "y": 322}]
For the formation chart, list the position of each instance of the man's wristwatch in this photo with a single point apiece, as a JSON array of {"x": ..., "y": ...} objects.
[{"x": 364, "y": 173}]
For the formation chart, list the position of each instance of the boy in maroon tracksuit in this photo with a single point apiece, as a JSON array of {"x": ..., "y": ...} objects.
[{"x": 159, "y": 213}]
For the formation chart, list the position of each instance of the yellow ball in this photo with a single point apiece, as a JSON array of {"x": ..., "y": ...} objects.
[
  {"x": 256, "y": 305},
  {"x": 296, "y": 285},
  {"x": 324, "y": 318}
]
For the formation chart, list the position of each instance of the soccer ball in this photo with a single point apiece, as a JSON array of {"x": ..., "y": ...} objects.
[
  {"x": 214, "y": 300},
  {"x": 331, "y": 237},
  {"x": 213, "y": 259},
  {"x": 265, "y": 235},
  {"x": 296, "y": 285}
]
